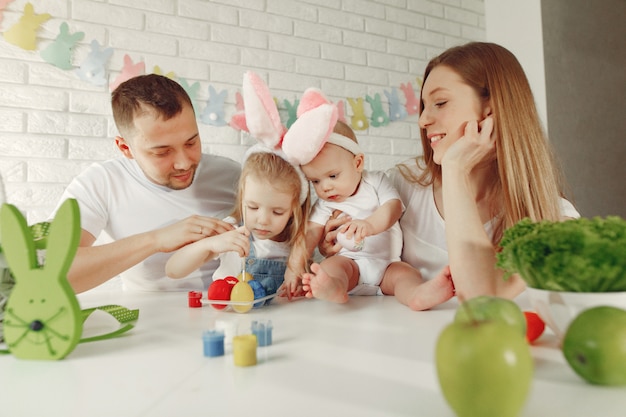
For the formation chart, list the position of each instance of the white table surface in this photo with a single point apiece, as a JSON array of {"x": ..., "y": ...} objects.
[{"x": 369, "y": 357}]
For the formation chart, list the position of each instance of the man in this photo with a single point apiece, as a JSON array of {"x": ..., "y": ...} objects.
[{"x": 163, "y": 194}]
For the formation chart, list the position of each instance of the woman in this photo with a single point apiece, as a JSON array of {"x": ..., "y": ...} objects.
[{"x": 486, "y": 164}]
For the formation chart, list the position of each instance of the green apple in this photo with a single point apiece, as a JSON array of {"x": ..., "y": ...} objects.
[
  {"x": 486, "y": 307},
  {"x": 595, "y": 345},
  {"x": 484, "y": 368}
]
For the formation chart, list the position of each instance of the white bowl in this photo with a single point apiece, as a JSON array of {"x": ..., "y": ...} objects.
[{"x": 558, "y": 308}]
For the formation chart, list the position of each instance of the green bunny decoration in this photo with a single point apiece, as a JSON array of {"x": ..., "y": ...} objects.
[{"x": 43, "y": 319}]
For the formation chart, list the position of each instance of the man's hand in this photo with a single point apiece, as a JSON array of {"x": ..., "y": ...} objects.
[{"x": 191, "y": 229}]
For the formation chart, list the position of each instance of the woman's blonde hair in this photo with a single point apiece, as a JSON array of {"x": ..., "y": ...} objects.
[
  {"x": 282, "y": 176},
  {"x": 526, "y": 179}
]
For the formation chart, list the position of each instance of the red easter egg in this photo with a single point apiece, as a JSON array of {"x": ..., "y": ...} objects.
[{"x": 220, "y": 290}]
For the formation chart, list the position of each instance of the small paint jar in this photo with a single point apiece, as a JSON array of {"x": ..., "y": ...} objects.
[
  {"x": 263, "y": 332},
  {"x": 244, "y": 350},
  {"x": 213, "y": 342},
  {"x": 194, "y": 299}
]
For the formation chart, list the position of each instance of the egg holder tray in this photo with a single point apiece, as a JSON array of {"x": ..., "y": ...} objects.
[{"x": 197, "y": 300}]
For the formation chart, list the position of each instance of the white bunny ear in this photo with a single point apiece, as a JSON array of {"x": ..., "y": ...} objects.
[
  {"x": 317, "y": 117},
  {"x": 262, "y": 117}
]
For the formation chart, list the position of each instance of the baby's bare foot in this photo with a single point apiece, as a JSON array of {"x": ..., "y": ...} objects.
[
  {"x": 321, "y": 285},
  {"x": 433, "y": 292}
]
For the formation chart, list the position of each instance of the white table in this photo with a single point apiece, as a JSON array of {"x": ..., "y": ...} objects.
[{"x": 370, "y": 357}]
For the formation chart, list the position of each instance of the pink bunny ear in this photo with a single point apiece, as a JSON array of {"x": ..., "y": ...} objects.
[
  {"x": 308, "y": 134},
  {"x": 261, "y": 114},
  {"x": 311, "y": 99}
]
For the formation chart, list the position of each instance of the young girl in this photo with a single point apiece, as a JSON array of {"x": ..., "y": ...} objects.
[{"x": 271, "y": 237}]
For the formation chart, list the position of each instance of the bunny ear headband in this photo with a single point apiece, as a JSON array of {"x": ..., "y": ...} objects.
[{"x": 305, "y": 138}]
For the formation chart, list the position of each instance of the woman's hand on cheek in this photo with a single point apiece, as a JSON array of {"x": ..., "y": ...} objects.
[{"x": 476, "y": 145}]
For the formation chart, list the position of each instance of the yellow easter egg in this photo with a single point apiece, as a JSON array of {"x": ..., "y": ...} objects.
[
  {"x": 248, "y": 277},
  {"x": 242, "y": 292}
]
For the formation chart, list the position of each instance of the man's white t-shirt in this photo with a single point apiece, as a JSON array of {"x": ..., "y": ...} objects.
[{"x": 117, "y": 199}]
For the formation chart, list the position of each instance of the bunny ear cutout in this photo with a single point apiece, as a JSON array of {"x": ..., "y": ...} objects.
[
  {"x": 261, "y": 114},
  {"x": 307, "y": 135},
  {"x": 18, "y": 245},
  {"x": 63, "y": 239}
]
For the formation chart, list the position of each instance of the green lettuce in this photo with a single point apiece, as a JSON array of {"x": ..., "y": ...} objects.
[{"x": 579, "y": 255}]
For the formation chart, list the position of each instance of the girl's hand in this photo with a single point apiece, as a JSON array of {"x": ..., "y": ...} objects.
[
  {"x": 291, "y": 286},
  {"x": 475, "y": 146}
]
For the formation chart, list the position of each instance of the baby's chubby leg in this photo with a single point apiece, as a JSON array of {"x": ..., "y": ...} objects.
[
  {"x": 407, "y": 284},
  {"x": 331, "y": 279}
]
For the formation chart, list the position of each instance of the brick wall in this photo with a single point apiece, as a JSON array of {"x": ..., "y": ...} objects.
[{"x": 53, "y": 124}]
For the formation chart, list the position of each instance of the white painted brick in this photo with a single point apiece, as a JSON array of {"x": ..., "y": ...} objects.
[
  {"x": 265, "y": 22},
  {"x": 12, "y": 120},
  {"x": 210, "y": 51},
  {"x": 267, "y": 59},
  {"x": 296, "y": 46},
  {"x": 389, "y": 30},
  {"x": 291, "y": 82},
  {"x": 477, "y": 6},
  {"x": 425, "y": 37},
  {"x": 31, "y": 97},
  {"x": 367, "y": 76},
  {"x": 12, "y": 170},
  {"x": 90, "y": 103},
  {"x": 333, "y": 4},
  {"x": 107, "y": 14},
  {"x": 32, "y": 146},
  {"x": 365, "y": 41},
  {"x": 177, "y": 26},
  {"x": 387, "y": 61},
  {"x": 66, "y": 123},
  {"x": 143, "y": 41},
  {"x": 406, "y": 49},
  {"x": 234, "y": 35},
  {"x": 364, "y": 7},
  {"x": 320, "y": 68},
  {"x": 341, "y": 89},
  {"x": 426, "y": 7},
  {"x": 394, "y": 3},
  {"x": 208, "y": 12},
  {"x": 342, "y": 20},
  {"x": 317, "y": 32},
  {"x": 344, "y": 54},
  {"x": 443, "y": 26},
  {"x": 404, "y": 17},
  {"x": 465, "y": 17},
  {"x": 87, "y": 149},
  {"x": 294, "y": 9},
  {"x": 13, "y": 72},
  {"x": 244, "y": 4},
  {"x": 473, "y": 32},
  {"x": 27, "y": 195},
  {"x": 226, "y": 74},
  {"x": 53, "y": 171},
  {"x": 162, "y": 6}
]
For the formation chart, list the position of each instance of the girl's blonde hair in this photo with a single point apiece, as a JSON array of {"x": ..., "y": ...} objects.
[
  {"x": 526, "y": 179},
  {"x": 282, "y": 176}
]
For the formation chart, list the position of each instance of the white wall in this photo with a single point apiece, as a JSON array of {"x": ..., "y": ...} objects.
[
  {"x": 516, "y": 25},
  {"x": 53, "y": 124}
]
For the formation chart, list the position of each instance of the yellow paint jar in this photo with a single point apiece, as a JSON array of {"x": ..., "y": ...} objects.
[{"x": 244, "y": 350}]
